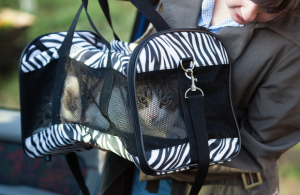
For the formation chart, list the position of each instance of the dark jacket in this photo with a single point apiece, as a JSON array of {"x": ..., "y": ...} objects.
[{"x": 266, "y": 89}]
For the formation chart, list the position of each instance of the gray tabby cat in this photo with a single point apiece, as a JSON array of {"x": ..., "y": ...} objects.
[
  {"x": 74, "y": 109},
  {"x": 157, "y": 100},
  {"x": 77, "y": 109},
  {"x": 158, "y": 104},
  {"x": 80, "y": 103}
]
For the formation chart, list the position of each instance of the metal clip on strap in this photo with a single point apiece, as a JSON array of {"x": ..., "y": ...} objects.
[{"x": 193, "y": 86}]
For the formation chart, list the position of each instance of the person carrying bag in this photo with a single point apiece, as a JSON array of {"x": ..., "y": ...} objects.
[{"x": 265, "y": 80}]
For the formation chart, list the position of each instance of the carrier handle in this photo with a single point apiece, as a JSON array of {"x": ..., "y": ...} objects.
[
  {"x": 145, "y": 7},
  {"x": 85, "y": 4},
  {"x": 64, "y": 52},
  {"x": 105, "y": 8},
  {"x": 151, "y": 14}
]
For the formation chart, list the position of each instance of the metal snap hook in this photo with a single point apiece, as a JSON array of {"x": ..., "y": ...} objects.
[
  {"x": 190, "y": 89},
  {"x": 188, "y": 68},
  {"x": 192, "y": 78}
]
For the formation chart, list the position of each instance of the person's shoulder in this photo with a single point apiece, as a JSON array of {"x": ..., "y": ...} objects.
[{"x": 287, "y": 25}]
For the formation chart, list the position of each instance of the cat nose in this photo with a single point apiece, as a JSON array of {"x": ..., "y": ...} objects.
[{"x": 153, "y": 117}]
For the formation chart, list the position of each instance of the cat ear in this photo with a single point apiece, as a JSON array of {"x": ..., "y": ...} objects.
[{"x": 173, "y": 84}]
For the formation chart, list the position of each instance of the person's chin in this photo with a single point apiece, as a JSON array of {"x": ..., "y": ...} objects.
[{"x": 239, "y": 21}]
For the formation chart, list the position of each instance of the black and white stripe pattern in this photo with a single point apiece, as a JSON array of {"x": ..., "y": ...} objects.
[
  {"x": 178, "y": 156},
  {"x": 222, "y": 148},
  {"x": 59, "y": 139},
  {"x": 162, "y": 52},
  {"x": 86, "y": 48},
  {"x": 165, "y": 51},
  {"x": 64, "y": 138},
  {"x": 169, "y": 158}
]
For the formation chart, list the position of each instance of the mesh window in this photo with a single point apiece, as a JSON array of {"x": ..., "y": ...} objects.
[
  {"x": 214, "y": 81},
  {"x": 83, "y": 98},
  {"x": 36, "y": 100},
  {"x": 160, "y": 109}
]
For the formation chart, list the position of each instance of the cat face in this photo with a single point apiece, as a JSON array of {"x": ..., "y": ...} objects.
[{"x": 157, "y": 100}]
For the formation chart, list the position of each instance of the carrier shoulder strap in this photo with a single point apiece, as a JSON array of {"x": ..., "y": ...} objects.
[
  {"x": 194, "y": 115},
  {"x": 196, "y": 105},
  {"x": 105, "y": 8},
  {"x": 73, "y": 163},
  {"x": 145, "y": 7}
]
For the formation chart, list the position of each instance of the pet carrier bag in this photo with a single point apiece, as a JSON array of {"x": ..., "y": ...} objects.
[{"x": 164, "y": 104}]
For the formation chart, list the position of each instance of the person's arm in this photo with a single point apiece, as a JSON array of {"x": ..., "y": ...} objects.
[{"x": 272, "y": 124}]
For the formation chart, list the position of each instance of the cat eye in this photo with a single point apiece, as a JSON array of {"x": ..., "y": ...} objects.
[
  {"x": 142, "y": 99},
  {"x": 165, "y": 101}
]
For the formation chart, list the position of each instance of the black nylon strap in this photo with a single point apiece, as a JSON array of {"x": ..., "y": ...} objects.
[
  {"x": 145, "y": 7},
  {"x": 60, "y": 68},
  {"x": 184, "y": 84},
  {"x": 107, "y": 44},
  {"x": 105, "y": 8},
  {"x": 64, "y": 51},
  {"x": 106, "y": 91},
  {"x": 73, "y": 163},
  {"x": 151, "y": 14},
  {"x": 196, "y": 106},
  {"x": 194, "y": 118},
  {"x": 152, "y": 186}
]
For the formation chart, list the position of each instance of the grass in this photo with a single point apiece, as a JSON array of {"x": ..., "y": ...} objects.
[
  {"x": 57, "y": 15},
  {"x": 289, "y": 171}
]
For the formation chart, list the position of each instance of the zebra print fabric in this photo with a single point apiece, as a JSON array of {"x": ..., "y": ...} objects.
[
  {"x": 64, "y": 138},
  {"x": 160, "y": 53},
  {"x": 86, "y": 48},
  {"x": 61, "y": 137},
  {"x": 163, "y": 52},
  {"x": 176, "y": 156}
]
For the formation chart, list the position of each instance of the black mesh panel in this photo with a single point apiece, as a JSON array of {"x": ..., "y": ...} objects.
[
  {"x": 157, "y": 96},
  {"x": 160, "y": 112},
  {"x": 36, "y": 99}
]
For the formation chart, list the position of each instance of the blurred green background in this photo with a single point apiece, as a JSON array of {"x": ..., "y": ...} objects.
[
  {"x": 56, "y": 15},
  {"x": 49, "y": 16}
]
